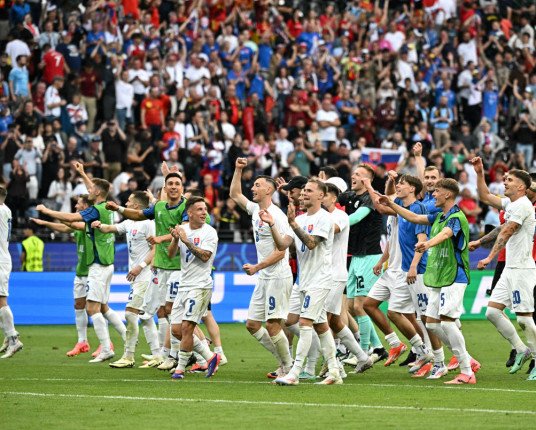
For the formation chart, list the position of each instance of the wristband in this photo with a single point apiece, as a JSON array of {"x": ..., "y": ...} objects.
[
  {"x": 143, "y": 264},
  {"x": 271, "y": 226},
  {"x": 121, "y": 209}
]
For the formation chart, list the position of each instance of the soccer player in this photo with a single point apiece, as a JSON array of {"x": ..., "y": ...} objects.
[
  {"x": 313, "y": 238},
  {"x": 334, "y": 301},
  {"x": 163, "y": 289},
  {"x": 364, "y": 246},
  {"x": 101, "y": 268},
  {"x": 515, "y": 287},
  {"x": 269, "y": 302},
  {"x": 140, "y": 256},
  {"x": 447, "y": 270},
  {"x": 395, "y": 284},
  {"x": 84, "y": 250},
  {"x": 198, "y": 244},
  {"x": 11, "y": 344}
]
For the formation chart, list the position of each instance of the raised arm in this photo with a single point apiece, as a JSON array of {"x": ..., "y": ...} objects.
[
  {"x": 56, "y": 226},
  {"x": 483, "y": 191},
  {"x": 60, "y": 216},
  {"x": 79, "y": 167},
  {"x": 133, "y": 214},
  {"x": 236, "y": 184},
  {"x": 105, "y": 228},
  {"x": 282, "y": 242},
  {"x": 404, "y": 213},
  {"x": 419, "y": 160},
  {"x": 385, "y": 210},
  {"x": 505, "y": 234}
]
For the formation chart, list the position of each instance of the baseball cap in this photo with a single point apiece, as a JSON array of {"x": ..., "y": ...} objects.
[
  {"x": 338, "y": 182},
  {"x": 203, "y": 57},
  {"x": 296, "y": 182}
]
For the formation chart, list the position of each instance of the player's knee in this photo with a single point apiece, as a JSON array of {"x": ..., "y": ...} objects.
[
  {"x": 176, "y": 331},
  {"x": 253, "y": 326},
  {"x": 273, "y": 327},
  {"x": 492, "y": 314}
]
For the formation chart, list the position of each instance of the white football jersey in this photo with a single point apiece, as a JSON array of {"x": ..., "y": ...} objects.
[
  {"x": 340, "y": 245},
  {"x": 315, "y": 265},
  {"x": 264, "y": 241},
  {"x": 137, "y": 233},
  {"x": 519, "y": 246},
  {"x": 5, "y": 235},
  {"x": 395, "y": 253},
  {"x": 195, "y": 273}
]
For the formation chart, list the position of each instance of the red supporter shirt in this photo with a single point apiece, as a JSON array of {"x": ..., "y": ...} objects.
[
  {"x": 54, "y": 66},
  {"x": 88, "y": 84},
  {"x": 153, "y": 111}
]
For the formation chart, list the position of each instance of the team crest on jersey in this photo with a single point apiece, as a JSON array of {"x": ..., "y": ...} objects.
[
  {"x": 134, "y": 232},
  {"x": 196, "y": 241},
  {"x": 260, "y": 223},
  {"x": 356, "y": 204},
  {"x": 310, "y": 228}
]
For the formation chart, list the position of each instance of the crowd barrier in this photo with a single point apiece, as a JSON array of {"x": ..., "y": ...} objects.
[{"x": 46, "y": 298}]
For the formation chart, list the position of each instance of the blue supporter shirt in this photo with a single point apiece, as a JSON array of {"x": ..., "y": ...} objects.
[
  {"x": 240, "y": 84},
  {"x": 20, "y": 78},
  {"x": 265, "y": 56},
  {"x": 209, "y": 49},
  {"x": 490, "y": 104},
  {"x": 245, "y": 56},
  {"x": 407, "y": 236},
  {"x": 457, "y": 240},
  {"x": 256, "y": 86}
]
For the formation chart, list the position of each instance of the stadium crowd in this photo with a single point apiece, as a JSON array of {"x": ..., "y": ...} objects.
[{"x": 291, "y": 85}]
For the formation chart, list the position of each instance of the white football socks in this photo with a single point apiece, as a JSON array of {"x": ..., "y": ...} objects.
[
  {"x": 505, "y": 327},
  {"x": 202, "y": 348},
  {"x": 393, "y": 340},
  {"x": 115, "y": 321},
  {"x": 350, "y": 342},
  {"x": 151, "y": 335},
  {"x": 81, "y": 324},
  {"x": 101, "y": 330},
  {"x": 457, "y": 343},
  {"x": 264, "y": 339},
  {"x": 280, "y": 342},
  {"x": 329, "y": 352},
  {"x": 418, "y": 344},
  {"x": 425, "y": 338},
  {"x": 131, "y": 334},
  {"x": 529, "y": 328},
  {"x": 302, "y": 349},
  {"x": 175, "y": 346},
  {"x": 314, "y": 353},
  {"x": 184, "y": 357},
  {"x": 7, "y": 321},
  {"x": 163, "y": 328}
]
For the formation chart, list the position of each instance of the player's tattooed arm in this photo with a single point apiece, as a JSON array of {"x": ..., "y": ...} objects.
[
  {"x": 488, "y": 238},
  {"x": 179, "y": 233},
  {"x": 307, "y": 239},
  {"x": 506, "y": 232}
]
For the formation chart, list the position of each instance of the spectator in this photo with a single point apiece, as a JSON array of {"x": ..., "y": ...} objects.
[
  {"x": 441, "y": 118},
  {"x": 53, "y": 100},
  {"x": 60, "y": 191},
  {"x": 301, "y": 157},
  {"x": 114, "y": 147},
  {"x": 524, "y": 132},
  {"x": 30, "y": 159},
  {"x": 19, "y": 81},
  {"x": 328, "y": 120},
  {"x": 94, "y": 158},
  {"x": 76, "y": 110},
  {"x": 90, "y": 89}
]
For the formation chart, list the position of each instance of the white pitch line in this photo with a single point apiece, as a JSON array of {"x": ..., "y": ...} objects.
[
  {"x": 217, "y": 381},
  {"x": 266, "y": 403}
]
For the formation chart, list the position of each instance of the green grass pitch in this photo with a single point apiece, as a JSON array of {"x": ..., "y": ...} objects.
[{"x": 42, "y": 388}]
